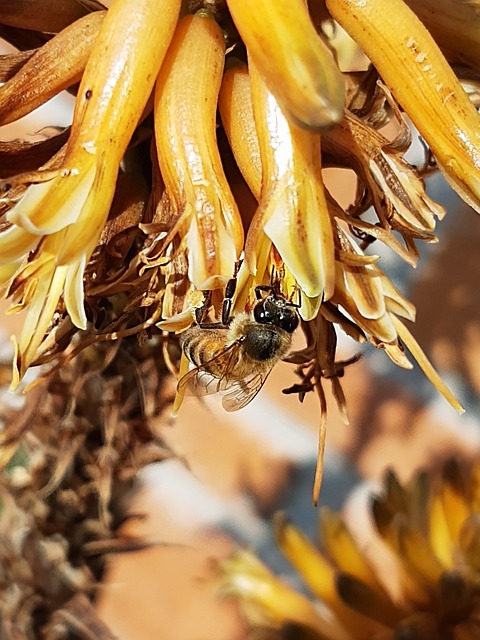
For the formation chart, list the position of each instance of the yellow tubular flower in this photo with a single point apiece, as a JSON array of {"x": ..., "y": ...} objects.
[
  {"x": 295, "y": 63},
  {"x": 236, "y": 111},
  {"x": 292, "y": 210},
  {"x": 115, "y": 87},
  {"x": 185, "y": 109},
  {"x": 413, "y": 67},
  {"x": 54, "y": 67}
]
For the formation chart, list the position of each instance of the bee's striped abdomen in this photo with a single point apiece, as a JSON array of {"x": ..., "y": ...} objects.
[{"x": 201, "y": 345}]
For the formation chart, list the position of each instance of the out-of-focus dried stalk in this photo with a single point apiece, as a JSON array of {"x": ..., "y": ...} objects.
[{"x": 79, "y": 443}]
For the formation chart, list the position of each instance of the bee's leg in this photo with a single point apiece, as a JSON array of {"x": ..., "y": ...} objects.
[
  {"x": 200, "y": 312},
  {"x": 262, "y": 287},
  {"x": 298, "y": 304},
  {"x": 230, "y": 289}
]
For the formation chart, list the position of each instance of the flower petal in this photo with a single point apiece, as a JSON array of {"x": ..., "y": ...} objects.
[
  {"x": 185, "y": 111},
  {"x": 295, "y": 63}
]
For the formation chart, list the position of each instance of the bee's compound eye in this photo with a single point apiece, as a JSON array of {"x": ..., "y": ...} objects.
[
  {"x": 289, "y": 321},
  {"x": 260, "y": 313}
]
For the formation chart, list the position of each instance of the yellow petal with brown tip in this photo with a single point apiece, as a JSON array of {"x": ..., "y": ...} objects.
[
  {"x": 362, "y": 280},
  {"x": 342, "y": 548}
]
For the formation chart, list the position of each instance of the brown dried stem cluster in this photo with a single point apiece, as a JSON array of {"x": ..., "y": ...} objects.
[{"x": 79, "y": 443}]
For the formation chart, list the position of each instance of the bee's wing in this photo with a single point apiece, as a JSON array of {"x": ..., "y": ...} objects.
[
  {"x": 241, "y": 392},
  {"x": 199, "y": 382}
]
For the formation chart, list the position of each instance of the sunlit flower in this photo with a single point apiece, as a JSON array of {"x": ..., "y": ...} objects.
[
  {"x": 429, "y": 527},
  {"x": 292, "y": 214},
  {"x": 209, "y": 224}
]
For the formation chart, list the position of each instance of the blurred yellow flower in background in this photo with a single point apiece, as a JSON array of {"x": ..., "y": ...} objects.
[{"x": 429, "y": 529}]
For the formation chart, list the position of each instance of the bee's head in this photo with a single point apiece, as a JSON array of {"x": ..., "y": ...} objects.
[{"x": 276, "y": 310}]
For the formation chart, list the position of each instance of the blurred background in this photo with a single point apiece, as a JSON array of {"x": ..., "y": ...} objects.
[{"x": 234, "y": 471}]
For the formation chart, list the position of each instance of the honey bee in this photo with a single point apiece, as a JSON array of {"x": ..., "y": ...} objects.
[{"x": 237, "y": 354}]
